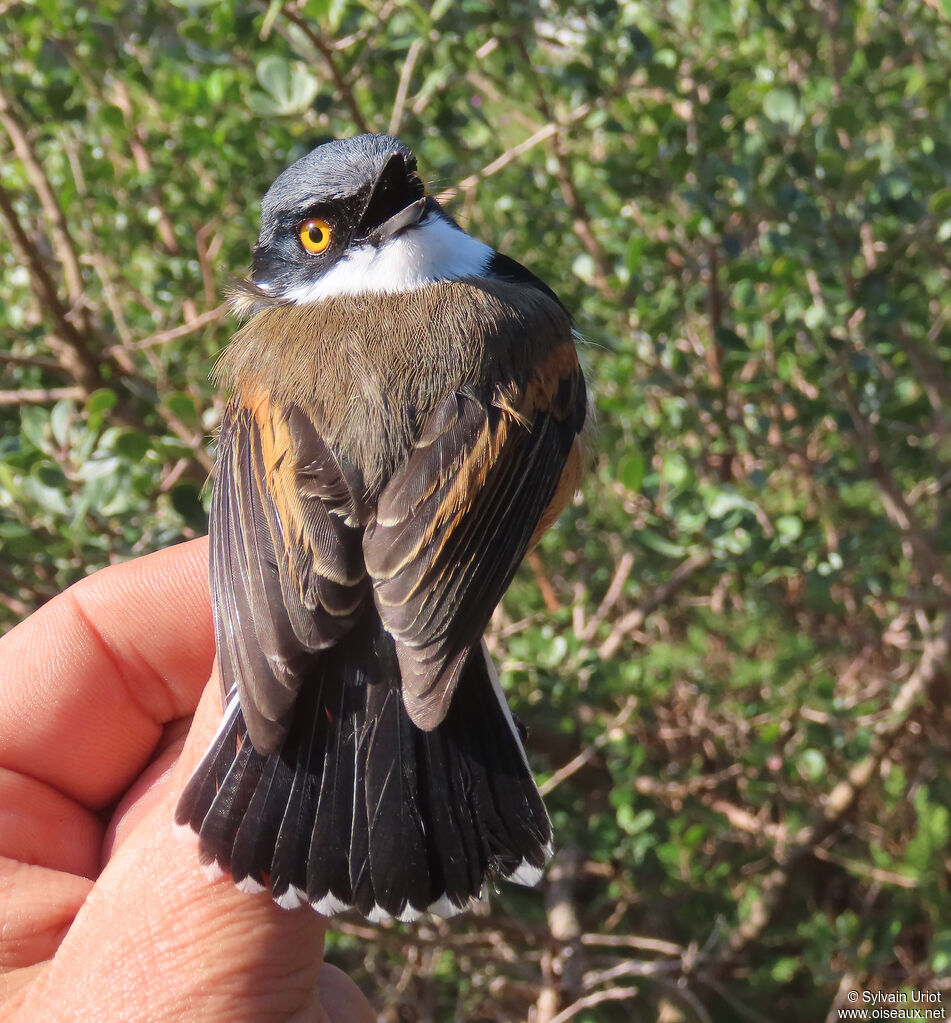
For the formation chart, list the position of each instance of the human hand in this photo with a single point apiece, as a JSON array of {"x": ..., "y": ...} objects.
[{"x": 104, "y": 911}]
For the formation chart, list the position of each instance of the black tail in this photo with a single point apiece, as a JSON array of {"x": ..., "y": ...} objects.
[{"x": 363, "y": 809}]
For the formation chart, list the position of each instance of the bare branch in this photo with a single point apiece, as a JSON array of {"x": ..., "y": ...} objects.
[
  {"x": 60, "y": 236},
  {"x": 192, "y": 327},
  {"x": 611, "y": 994},
  {"x": 70, "y": 346},
  {"x": 406, "y": 75},
  {"x": 40, "y": 396},
  {"x": 577, "y": 762},
  {"x": 563, "y": 967},
  {"x": 344, "y": 89},
  {"x": 633, "y": 620},
  {"x": 636, "y": 941},
  {"x": 39, "y": 361},
  {"x": 840, "y": 800},
  {"x": 621, "y": 575},
  {"x": 510, "y": 155}
]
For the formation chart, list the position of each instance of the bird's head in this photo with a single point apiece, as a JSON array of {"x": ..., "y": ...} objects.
[{"x": 353, "y": 217}]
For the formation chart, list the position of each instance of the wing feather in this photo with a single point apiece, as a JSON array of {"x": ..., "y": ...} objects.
[
  {"x": 287, "y": 569},
  {"x": 455, "y": 521}
]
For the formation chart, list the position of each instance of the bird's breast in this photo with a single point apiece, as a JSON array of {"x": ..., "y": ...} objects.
[{"x": 369, "y": 369}]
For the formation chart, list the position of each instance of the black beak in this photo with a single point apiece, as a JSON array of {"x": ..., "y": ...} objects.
[
  {"x": 408, "y": 217},
  {"x": 396, "y": 203}
]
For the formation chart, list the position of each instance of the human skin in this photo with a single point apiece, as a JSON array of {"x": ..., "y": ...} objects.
[{"x": 105, "y": 913}]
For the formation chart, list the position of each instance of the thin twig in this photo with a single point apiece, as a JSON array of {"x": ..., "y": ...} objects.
[
  {"x": 60, "y": 236},
  {"x": 40, "y": 396},
  {"x": 621, "y": 575},
  {"x": 935, "y": 655},
  {"x": 192, "y": 327},
  {"x": 39, "y": 361},
  {"x": 406, "y": 75},
  {"x": 344, "y": 89},
  {"x": 634, "y": 619},
  {"x": 510, "y": 155},
  {"x": 637, "y": 941},
  {"x": 70, "y": 345},
  {"x": 611, "y": 994},
  {"x": 577, "y": 762}
]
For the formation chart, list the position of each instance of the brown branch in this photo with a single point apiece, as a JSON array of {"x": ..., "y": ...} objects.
[
  {"x": 412, "y": 54},
  {"x": 876, "y": 874},
  {"x": 612, "y": 596},
  {"x": 840, "y": 800},
  {"x": 77, "y": 356},
  {"x": 581, "y": 221},
  {"x": 40, "y": 396},
  {"x": 632, "y": 621},
  {"x": 577, "y": 762},
  {"x": 60, "y": 237},
  {"x": 39, "y": 361},
  {"x": 206, "y": 255},
  {"x": 930, "y": 372},
  {"x": 674, "y": 792},
  {"x": 344, "y": 89},
  {"x": 742, "y": 820},
  {"x": 580, "y": 218},
  {"x": 510, "y": 155},
  {"x": 143, "y": 163},
  {"x": 611, "y": 994},
  {"x": 562, "y": 966},
  {"x": 896, "y": 507},
  {"x": 545, "y": 588},
  {"x": 163, "y": 337},
  {"x": 69, "y": 345},
  {"x": 712, "y": 353},
  {"x": 636, "y": 941}
]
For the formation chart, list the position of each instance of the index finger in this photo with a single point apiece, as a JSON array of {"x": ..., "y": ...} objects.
[{"x": 89, "y": 680}]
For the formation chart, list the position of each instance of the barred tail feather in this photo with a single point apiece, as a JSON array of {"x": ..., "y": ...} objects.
[{"x": 360, "y": 808}]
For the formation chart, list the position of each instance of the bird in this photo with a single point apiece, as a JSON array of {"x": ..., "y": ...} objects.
[{"x": 405, "y": 421}]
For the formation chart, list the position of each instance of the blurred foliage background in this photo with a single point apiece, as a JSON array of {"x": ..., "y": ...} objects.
[{"x": 733, "y": 651}]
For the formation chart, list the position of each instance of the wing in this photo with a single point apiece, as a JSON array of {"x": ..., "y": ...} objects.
[
  {"x": 489, "y": 472},
  {"x": 287, "y": 573}
]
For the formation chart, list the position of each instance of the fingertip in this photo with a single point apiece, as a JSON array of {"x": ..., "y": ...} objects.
[{"x": 341, "y": 999}]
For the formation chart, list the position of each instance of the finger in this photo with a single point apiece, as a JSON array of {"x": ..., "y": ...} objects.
[
  {"x": 158, "y": 941},
  {"x": 341, "y": 999},
  {"x": 40, "y": 826},
  {"x": 87, "y": 682},
  {"x": 37, "y": 906},
  {"x": 146, "y": 790}
]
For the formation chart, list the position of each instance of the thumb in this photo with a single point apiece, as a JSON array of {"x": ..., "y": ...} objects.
[{"x": 157, "y": 940}]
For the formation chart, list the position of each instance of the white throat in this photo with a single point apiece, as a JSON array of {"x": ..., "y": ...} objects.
[{"x": 431, "y": 251}]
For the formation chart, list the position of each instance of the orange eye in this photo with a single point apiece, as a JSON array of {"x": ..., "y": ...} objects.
[{"x": 315, "y": 234}]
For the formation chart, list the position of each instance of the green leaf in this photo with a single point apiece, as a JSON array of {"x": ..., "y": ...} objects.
[
  {"x": 789, "y": 528},
  {"x": 633, "y": 823},
  {"x": 60, "y": 419},
  {"x": 186, "y": 500},
  {"x": 34, "y": 422},
  {"x": 631, "y": 471},
  {"x": 781, "y": 106},
  {"x": 659, "y": 544},
  {"x": 290, "y": 89},
  {"x": 100, "y": 401},
  {"x": 811, "y": 764},
  {"x": 132, "y": 445},
  {"x": 182, "y": 405}
]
